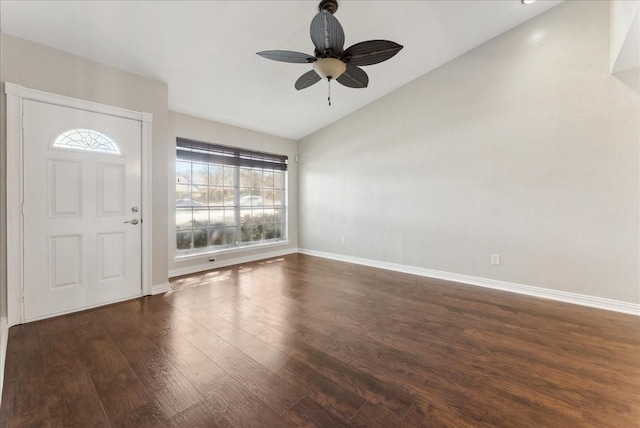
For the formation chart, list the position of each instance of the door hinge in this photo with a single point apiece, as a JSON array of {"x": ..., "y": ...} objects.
[{"x": 22, "y": 209}]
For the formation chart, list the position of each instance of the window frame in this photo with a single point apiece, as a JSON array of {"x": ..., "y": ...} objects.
[{"x": 204, "y": 153}]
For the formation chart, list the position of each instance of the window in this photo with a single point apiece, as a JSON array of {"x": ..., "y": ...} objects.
[
  {"x": 88, "y": 140},
  {"x": 228, "y": 197}
]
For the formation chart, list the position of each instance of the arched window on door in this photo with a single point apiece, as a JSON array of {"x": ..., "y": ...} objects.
[{"x": 88, "y": 140}]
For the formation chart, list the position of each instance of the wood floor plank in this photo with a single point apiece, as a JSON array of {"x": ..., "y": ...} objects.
[
  {"x": 396, "y": 368},
  {"x": 453, "y": 379},
  {"x": 145, "y": 416},
  {"x": 118, "y": 387},
  {"x": 263, "y": 383},
  {"x": 23, "y": 356},
  {"x": 609, "y": 412},
  {"x": 262, "y": 352},
  {"x": 168, "y": 387},
  {"x": 24, "y": 401},
  {"x": 490, "y": 360},
  {"x": 246, "y": 410},
  {"x": 200, "y": 415},
  {"x": 431, "y": 413},
  {"x": 371, "y": 388},
  {"x": 303, "y": 341},
  {"x": 225, "y": 396},
  {"x": 308, "y": 413},
  {"x": 373, "y": 416},
  {"x": 207, "y": 319},
  {"x": 71, "y": 395},
  {"x": 335, "y": 399},
  {"x": 625, "y": 376}
]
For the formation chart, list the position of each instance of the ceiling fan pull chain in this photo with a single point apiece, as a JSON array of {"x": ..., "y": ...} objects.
[{"x": 329, "y": 79}]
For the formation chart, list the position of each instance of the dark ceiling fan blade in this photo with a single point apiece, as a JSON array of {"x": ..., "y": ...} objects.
[
  {"x": 370, "y": 52},
  {"x": 307, "y": 79},
  {"x": 354, "y": 77},
  {"x": 288, "y": 56},
  {"x": 327, "y": 33}
]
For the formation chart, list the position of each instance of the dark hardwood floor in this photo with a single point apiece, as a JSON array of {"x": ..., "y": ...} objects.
[{"x": 303, "y": 341}]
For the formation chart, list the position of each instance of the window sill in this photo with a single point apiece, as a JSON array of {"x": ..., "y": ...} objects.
[{"x": 188, "y": 257}]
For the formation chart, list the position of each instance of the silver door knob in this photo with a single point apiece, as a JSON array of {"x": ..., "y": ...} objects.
[{"x": 134, "y": 221}]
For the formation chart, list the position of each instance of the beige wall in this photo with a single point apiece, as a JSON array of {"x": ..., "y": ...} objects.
[
  {"x": 39, "y": 67},
  {"x": 526, "y": 147},
  {"x": 181, "y": 125}
]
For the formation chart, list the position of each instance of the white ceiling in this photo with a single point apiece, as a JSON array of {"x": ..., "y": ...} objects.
[{"x": 205, "y": 50}]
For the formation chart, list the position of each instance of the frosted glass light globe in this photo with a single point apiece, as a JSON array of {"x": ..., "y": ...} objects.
[{"x": 329, "y": 68}]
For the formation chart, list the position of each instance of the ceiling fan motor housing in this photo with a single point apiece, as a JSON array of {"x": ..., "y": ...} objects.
[{"x": 330, "y": 6}]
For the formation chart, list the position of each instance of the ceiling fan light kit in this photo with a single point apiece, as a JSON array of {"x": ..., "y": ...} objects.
[
  {"x": 330, "y": 61},
  {"x": 329, "y": 68},
  {"x": 330, "y": 6}
]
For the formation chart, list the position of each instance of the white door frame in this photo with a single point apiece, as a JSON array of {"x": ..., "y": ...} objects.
[{"x": 16, "y": 94}]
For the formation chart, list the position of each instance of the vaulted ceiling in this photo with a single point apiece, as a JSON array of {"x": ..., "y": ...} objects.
[{"x": 206, "y": 51}]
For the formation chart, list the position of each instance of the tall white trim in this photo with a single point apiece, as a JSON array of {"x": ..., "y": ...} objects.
[
  {"x": 16, "y": 94},
  {"x": 160, "y": 288},
  {"x": 15, "y": 310},
  {"x": 545, "y": 293},
  {"x": 146, "y": 207},
  {"x": 224, "y": 263}
]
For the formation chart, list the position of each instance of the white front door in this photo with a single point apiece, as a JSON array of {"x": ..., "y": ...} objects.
[{"x": 82, "y": 197}]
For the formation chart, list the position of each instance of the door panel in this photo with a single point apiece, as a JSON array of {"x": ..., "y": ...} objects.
[
  {"x": 111, "y": 189},
  {"x": 65, "y": 261},
  {"x": 78, "y": 193},
  {"x": 111, "y": 252},
  {"x": 65, "y": 188}
]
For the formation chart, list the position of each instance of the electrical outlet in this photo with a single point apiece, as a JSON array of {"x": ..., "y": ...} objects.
[
  {"x": 495, "y": 259},
  {"x": 342, "y": 239}
]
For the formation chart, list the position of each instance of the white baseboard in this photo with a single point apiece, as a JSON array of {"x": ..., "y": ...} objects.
[
  {"x": 160, "y": 288},
  {"x": 229, "y": 262},
  {"x": 545, "y": 293},
  {"x": 4, "y": 338}
]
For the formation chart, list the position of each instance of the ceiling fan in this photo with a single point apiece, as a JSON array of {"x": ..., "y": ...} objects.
[{"x": 330, "y": 61}]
